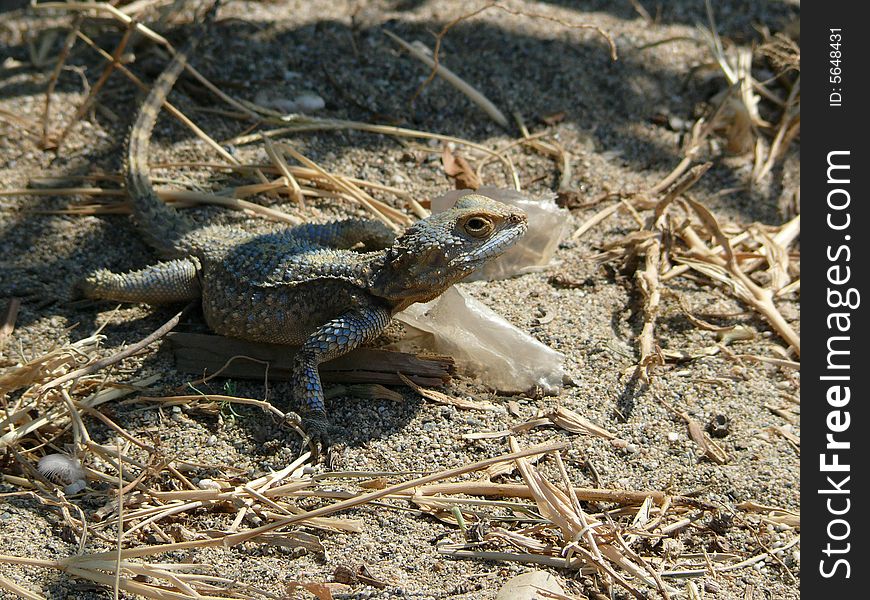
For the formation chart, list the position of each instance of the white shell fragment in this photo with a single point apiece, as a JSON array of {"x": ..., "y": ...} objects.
[
  {"x": 531, "y": 586},
  {"x": 63, "y": 470},
  {"x": 305, "y": 102}
]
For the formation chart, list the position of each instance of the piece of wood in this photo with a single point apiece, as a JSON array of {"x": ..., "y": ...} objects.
[{"x": 204, "y": 354}]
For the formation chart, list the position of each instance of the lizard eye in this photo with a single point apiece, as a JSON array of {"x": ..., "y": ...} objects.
[{"x": 478, "y": 226}]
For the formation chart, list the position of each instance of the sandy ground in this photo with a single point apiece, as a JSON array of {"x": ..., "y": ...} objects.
[{"x": 535, "y": 66}]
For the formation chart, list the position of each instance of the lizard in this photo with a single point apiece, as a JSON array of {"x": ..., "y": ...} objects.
[{"x": 307, "y": 285}]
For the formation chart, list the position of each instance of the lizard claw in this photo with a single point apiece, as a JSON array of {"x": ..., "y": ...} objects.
[{"x": 316, "y": 427}]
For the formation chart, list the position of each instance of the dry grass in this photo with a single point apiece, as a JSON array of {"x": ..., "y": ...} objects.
[
  {"x": 682, "y": 237},
  {"x": 616, "y": 537}
]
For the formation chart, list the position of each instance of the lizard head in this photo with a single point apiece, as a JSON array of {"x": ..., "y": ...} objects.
[{"x": 436, "y": 252}]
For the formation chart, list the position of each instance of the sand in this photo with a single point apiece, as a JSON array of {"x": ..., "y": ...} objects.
[{"x": 617, "y": 141}]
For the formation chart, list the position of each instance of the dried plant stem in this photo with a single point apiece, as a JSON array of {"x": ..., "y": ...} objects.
[
  {"x": 92, "y": 93},
  {"x": 383, "y": 212},
  {"x": 298, "y": 172},
  {"x": 747, "y": 290},
  {"x": 576, "y": 564},
  {"x": 237, "y": 538},
  {"x": 7, "y": 324},
  {"x": 648, "y": 282},
  {"x": 423, "y": 55},
  {"x": 52, "y": 82},
  {"x": 116, "y": 585},
  {"x": 303, "y": 124},
  {"x": 187, "y": 196},
  {"x": 282, "y": 166},
  {"x": 188, "y": 399},
  {"x": 171, "y": 109},
  {"x": 789, "y": 126},
  {"x": 19, "y": 591},
  {"x": 595, "y": 219}
]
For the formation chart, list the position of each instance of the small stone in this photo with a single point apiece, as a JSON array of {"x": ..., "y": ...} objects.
[
  {"x": 75, "y": 487},
  {"x": 309, "y": 102}
]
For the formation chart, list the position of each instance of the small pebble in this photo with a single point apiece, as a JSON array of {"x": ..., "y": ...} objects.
[{"x": 75, "y": 487}]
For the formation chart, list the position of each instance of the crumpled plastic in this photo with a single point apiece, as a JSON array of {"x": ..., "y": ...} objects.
[
  {"x": 548, "y": 225},
  {"x": 481, "y": 342}
]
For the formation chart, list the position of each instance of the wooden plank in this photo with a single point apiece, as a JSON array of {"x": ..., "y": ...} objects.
[{"x": 203, "y": 354}]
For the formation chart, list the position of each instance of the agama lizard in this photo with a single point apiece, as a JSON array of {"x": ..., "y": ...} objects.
[{"x": 302, "y": 285}]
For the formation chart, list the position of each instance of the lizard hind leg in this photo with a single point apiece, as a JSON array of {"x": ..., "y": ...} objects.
[{"x": 163, "y": 283}]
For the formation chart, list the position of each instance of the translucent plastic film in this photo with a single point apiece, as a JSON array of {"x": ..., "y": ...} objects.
[{"x": 483, "y": 343}]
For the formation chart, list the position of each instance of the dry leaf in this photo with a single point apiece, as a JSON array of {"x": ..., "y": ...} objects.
[
  {"x": 554, "y": 118},
  {"x": 460, "y": 170},
  {"x": 573, "y": 422},
  {"x": 773, "y": 513},
  {"x": 320, "y": 590},
  {"x": 710, "y": 448},
  {"x": 564, "y": 418}
]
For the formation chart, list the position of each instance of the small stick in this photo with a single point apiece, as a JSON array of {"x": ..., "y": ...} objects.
[
  {"x": 595, "y": 219},
  {"x": 788, "y": 127},
  {"x": 758, "y": 297},
  {"x": 171, "y": 109},
  {"x": 52, "y": 82},
  {"x": 315, "y": 124},
  {"x": 8, "y": 324},
  {"x": 389, "y": 217},
  {"x": 237, "y": 538},
  {"x": 452, "y": 78},
  {"x": 117, "y": 584},
  {"x": 92, "y": 93},
  {"x": 164, "y": 194},
  {"x": 166, "y": 105},
  {"x": 282, "y": 166}
]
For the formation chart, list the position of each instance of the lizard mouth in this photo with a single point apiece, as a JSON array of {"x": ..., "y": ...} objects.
[{"x": 499, "y": 243}]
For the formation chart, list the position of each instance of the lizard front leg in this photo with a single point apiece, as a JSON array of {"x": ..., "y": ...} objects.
[
  {"x": 163, "y": 283},
  {"x": 339, "y": 336}
]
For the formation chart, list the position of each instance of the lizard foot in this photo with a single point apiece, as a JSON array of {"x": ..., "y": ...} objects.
[{"x": 316, "y": 427}]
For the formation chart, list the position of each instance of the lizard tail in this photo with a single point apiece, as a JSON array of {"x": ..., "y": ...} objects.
[{"x": 162, "y": 227}]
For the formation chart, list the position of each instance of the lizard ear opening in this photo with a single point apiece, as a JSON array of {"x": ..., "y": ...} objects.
[{"x": 478, "y": 226}]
